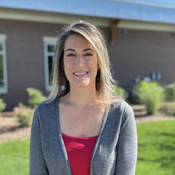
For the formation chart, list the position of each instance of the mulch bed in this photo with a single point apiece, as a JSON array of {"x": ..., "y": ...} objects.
[{"x": 10, "y": 129}]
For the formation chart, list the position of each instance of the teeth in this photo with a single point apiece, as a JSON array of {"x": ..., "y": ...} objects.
[{"x": 83, "y": 73}]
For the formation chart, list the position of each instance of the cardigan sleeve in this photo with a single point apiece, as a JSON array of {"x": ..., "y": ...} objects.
[
  {"x": 37, "y": 163},
  {"x": 127, "y": 144}
]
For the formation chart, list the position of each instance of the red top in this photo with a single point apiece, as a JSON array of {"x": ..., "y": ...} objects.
[{"x": 79, "y": 151}]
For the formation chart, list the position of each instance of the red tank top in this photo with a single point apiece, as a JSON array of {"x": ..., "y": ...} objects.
[{"x": 79, "y": 151}]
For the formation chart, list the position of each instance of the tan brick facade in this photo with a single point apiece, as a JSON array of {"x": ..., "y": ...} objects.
[
  {"x": 135, "y": 53},
  {"x": 25, "y": 58},
  {"x": 141, "y": 52}
]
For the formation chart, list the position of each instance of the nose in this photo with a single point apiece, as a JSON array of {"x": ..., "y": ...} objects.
[{"x": 79, "y": 61}]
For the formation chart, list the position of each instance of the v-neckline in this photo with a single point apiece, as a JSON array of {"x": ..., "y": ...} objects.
[{"x": 61, "y": 138}]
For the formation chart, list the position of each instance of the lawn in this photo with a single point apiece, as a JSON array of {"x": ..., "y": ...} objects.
[
  {"x": 14, "y": 158},
  {"x": 156, "y": 148},
  {"x": 156, "y": 151}
]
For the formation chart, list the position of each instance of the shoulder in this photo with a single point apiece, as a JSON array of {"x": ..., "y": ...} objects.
[
  {"x": 47, "y": 107},
  {"x": 122, "y": 107},
  {"x": 121, "y": 104},
  {"x": 123, "y": 111}
]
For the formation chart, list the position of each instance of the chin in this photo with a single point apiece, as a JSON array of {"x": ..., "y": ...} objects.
[{"x": 82, "y": 84}]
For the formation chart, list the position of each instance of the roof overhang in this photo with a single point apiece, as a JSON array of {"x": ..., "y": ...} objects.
[
  {"x": 141, "y": 10},
  {"x": 60, "y": 18}
]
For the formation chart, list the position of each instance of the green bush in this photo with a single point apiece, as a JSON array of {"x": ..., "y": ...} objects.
[
  {"x": 2, "y": 105},
  {"x": 150, "y": 94},
  {"x": 169, "y": 93},
  {"x": 118, "y": 91},
  {"x": 173, "y": 108},
  {"x": 35, "y": 97},
  {"x": 24, "y": 115}
]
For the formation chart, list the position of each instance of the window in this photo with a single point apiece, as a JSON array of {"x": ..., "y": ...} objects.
[
  {"x": 3, "y": 73},
  {"x": 49, "y": 44}
]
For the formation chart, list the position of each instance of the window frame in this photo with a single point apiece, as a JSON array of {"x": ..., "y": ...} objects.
[
  {"x": 48, "y": 41},
  {"x": 4, "y": 90}
]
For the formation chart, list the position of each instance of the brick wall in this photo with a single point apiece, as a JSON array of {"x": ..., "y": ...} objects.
[
  {"x": 141, "y": 52},
  {"x": 25, "y": 58},
  {"x": 135, "y": 53}
]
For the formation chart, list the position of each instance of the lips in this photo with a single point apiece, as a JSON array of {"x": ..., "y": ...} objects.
[{"x": 80, "y": 73}]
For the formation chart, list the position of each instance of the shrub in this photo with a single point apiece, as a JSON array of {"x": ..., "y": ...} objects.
[
  {"x": 2, "y": 105},
  {"x": 173, "y": 108},
  {"x": 169, "y": 93},
  {"x": 118, "y": 91},
  {"x": 164, "y": 108},
  {"x": 35, "y": 97},
  {"x": 150, "y": 94},
  {"x": 24, "y": 115}
]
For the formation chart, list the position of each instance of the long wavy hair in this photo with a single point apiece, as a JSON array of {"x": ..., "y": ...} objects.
[{"x": 104, "y": 80}]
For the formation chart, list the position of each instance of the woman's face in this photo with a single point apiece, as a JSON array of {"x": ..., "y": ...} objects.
[{"x": 80, "y": 61}]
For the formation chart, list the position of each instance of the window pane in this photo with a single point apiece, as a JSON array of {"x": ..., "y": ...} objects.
[
  {"x": 50, "y": 62},
  {"x": 0, "y": 46},
  {"x": 50, "y": 48},
  {"x": 1, "y": 72}
]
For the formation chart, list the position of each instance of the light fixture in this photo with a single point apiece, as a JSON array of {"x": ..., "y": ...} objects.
[{"x": 125, "y": 31}]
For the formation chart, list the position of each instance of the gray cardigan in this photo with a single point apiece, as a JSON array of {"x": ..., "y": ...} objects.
[{"x": 115, "y": 151}]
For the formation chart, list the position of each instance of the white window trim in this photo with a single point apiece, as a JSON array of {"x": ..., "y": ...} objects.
[
  {"x": 47, "y": 41},
  {"x": 3, "y": 52}
]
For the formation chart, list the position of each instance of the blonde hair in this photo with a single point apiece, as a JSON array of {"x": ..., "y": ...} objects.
[{"x": 104, "y": 78}]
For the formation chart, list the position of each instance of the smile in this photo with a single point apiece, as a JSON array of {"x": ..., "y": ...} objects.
[{"x": 82, "y": 73}]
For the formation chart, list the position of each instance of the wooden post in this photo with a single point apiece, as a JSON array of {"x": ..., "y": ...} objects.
[{"x": 113, "y": 30}]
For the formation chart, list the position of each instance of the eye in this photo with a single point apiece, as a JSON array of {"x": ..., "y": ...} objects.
[
  {"x": 88, "y": 54},
  {"x": 70, "y": 55}
]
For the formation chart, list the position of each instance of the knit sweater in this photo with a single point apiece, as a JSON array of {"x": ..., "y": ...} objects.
[{"x": 115, "y": 151}]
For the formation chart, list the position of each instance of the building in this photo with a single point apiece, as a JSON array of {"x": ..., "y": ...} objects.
[{"x": 139, "y": 35}]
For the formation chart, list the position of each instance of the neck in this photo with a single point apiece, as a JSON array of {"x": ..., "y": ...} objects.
[{"x": 82, "y": 97}]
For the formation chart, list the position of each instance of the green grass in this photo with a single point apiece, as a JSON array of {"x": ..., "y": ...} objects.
[
  {"x": 156, "y": 148},
  {"x": 156, "y": 151},
  {"x": 14, "y": 158}
]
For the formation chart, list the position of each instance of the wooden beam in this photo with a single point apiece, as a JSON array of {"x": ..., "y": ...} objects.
[{"x": 113, "y": 30}]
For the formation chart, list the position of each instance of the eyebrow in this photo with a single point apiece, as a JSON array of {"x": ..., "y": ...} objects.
[
  {"x": 69, "y": 50},
  {"x": 88, "y": 49},
  {"x": 83, "y": 50}
]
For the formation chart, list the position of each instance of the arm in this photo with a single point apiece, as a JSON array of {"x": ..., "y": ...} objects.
[
  {"x": 127, "y": 144},
  {"x": 37, "y": 163}
]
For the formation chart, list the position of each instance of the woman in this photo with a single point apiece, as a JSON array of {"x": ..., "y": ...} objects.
[{"x": 82, "y": 129}]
